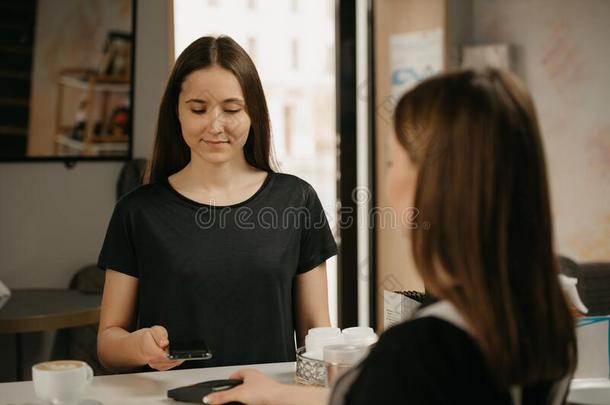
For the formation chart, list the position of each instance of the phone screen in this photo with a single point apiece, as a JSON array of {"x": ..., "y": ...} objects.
[{"x": 189, "y": 350}]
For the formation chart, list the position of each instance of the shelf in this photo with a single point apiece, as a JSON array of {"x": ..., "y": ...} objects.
[
  {"x": 14, "y": 102},
  {"x": 11, "y": 130},
  {"x": 97, "y": 86},
  {"x": 21, "y": 50},
  {"x": 96, "y": 148},
  {"x": 14, "y": 74},
  {"x": 82, "y": 83}
]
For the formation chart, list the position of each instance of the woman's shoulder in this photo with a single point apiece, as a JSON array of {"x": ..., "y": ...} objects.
[
  {"x": 415, "y": 358},
  {"x": 140, "y": 195},
  {"x": 290, "y": 179},
  {"x": 429, "y": 341},
  {"x": 426, "y": 332},
  {"x": 294, "y": 185}
]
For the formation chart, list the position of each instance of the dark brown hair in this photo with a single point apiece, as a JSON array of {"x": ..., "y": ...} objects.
[
  {"x": 171, "y": 153},
  {"x": 482, "y": 187}
]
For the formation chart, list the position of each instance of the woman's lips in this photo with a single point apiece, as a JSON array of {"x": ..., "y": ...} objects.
[{"x": 215, "y": 142}]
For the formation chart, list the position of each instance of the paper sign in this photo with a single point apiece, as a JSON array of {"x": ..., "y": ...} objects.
[{"x": 414, "y": 56}]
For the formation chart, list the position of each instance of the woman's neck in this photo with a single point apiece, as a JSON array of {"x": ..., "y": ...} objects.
[{"x": 200, "y": 175}]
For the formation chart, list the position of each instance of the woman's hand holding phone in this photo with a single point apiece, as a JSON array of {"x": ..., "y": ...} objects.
[{"x": 153, "y": 344}]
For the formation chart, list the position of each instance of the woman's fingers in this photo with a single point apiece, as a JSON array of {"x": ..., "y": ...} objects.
[
  {"x": 154, "y": 351},
  {"x": 154, "y": 345},
  {"x": 239, "y": 374},
  {"x": 159, "y": 334},
  {"x": 231, "y": 395},
  {"x": 165, "y": 365},
  {"x": 257, "y": 389}
]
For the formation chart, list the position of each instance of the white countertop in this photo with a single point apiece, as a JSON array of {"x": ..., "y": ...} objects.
[
  {"x": 151, "y": 388},
  {"x": 592, "y": 391},
  {"x": 143, "y": 388}
]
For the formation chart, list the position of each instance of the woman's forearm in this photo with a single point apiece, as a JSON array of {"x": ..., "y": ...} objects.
[
  {"x": 301, "y": 395},
  {"x": 118, "y": 349}
]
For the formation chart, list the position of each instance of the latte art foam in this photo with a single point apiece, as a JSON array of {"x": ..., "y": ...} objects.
[{"x": 59, "y": 365}]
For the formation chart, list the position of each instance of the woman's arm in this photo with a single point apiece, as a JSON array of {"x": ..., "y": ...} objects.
[
  {"x": 259, "y": 389},
  {"x": 117, "y": 348},
  {"x": 311, "y": 301}
]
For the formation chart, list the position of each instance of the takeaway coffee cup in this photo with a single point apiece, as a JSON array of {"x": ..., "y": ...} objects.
[{"x": 62, "y": 381}]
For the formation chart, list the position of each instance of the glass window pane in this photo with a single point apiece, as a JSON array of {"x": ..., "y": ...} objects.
[{"x": 297, "y": 71}]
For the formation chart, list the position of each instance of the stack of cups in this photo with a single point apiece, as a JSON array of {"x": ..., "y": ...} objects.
[
  {"x": 341, "y": 357},
  {"x": 340, "y": 350},
  {"x": 318, "y": 338}
]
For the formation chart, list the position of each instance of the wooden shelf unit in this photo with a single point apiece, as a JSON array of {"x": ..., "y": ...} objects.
[{"x": 93, "y": 84}]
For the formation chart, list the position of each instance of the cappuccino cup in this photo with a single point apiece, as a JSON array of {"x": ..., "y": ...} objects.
[{"x": 62, "y": 381}]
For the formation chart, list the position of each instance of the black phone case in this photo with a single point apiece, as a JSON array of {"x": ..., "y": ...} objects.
[{"x": 195, "y": 393}]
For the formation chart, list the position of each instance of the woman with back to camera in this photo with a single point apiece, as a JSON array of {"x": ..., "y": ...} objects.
[
  {"x": 217, "y": 246},
  {"x": 467, "y": 153}
]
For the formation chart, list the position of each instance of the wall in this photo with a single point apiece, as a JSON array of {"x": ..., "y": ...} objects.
[
  {"x": 395, "y": 268},
  {"x": 561, "y": 51},
  {"x": 53, "y": 219}
]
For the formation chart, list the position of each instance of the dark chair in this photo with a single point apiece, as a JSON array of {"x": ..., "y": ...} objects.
[
  {"x": 81, "y": 343},
  {"x": 132, "y": 175},
  {"x": 593, "y": 283}
]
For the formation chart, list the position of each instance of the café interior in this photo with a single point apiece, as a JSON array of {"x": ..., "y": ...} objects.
[{"x": 82, "y": 85}]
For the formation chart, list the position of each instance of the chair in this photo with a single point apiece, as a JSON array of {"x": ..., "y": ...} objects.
[
  {"x": 81, "y": 343},
  {"x": 593, "y": 283}
]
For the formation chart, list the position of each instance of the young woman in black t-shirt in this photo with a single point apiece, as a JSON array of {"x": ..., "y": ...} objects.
[
  {"x": 467, "y": 153},
  {"x": 217, "y": 246}
]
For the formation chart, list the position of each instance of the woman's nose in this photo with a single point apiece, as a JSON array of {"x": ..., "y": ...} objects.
[{"x": 216, "y": 124}]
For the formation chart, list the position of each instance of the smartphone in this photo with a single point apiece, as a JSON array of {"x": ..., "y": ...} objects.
[
  {"x": 194, "y": 393},
  {"x": 189, "y": 350}
]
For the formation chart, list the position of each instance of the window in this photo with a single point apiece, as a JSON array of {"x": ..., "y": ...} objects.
[
  {"x": 295, "y": 54},
  {"x": 301, "y": 106},
  {"x": 288, "y": 118},
  {"x": 252, "y": 48}
]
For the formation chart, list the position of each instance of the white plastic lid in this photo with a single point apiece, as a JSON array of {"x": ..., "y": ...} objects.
[
  {"x": 324, "y": 331},
  {"x": 359, "y": 331}
]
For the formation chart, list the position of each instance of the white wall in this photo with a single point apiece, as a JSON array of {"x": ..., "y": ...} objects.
[
  {"x": 53, "y": 219},
  {"x": 561, "y": 52}
]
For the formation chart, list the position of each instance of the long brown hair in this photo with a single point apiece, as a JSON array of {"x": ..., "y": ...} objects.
[
  {"x": 170, "y": 152},
  {"x": 482, "y": 189}
]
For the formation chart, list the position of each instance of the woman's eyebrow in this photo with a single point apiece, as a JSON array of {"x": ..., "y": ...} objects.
[
  {"x": 228, "y": 100},
  {"x": 233, "y": 100}
]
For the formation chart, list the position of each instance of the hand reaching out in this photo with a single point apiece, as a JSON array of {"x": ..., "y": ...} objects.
[
  {"x": 153, "y": 345},
  {"x": 257, "y": 389}
]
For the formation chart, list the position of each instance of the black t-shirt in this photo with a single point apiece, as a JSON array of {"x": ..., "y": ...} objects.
[
  {"x": 427, "y": 361},
  {"x": 224, "y": 274}
]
